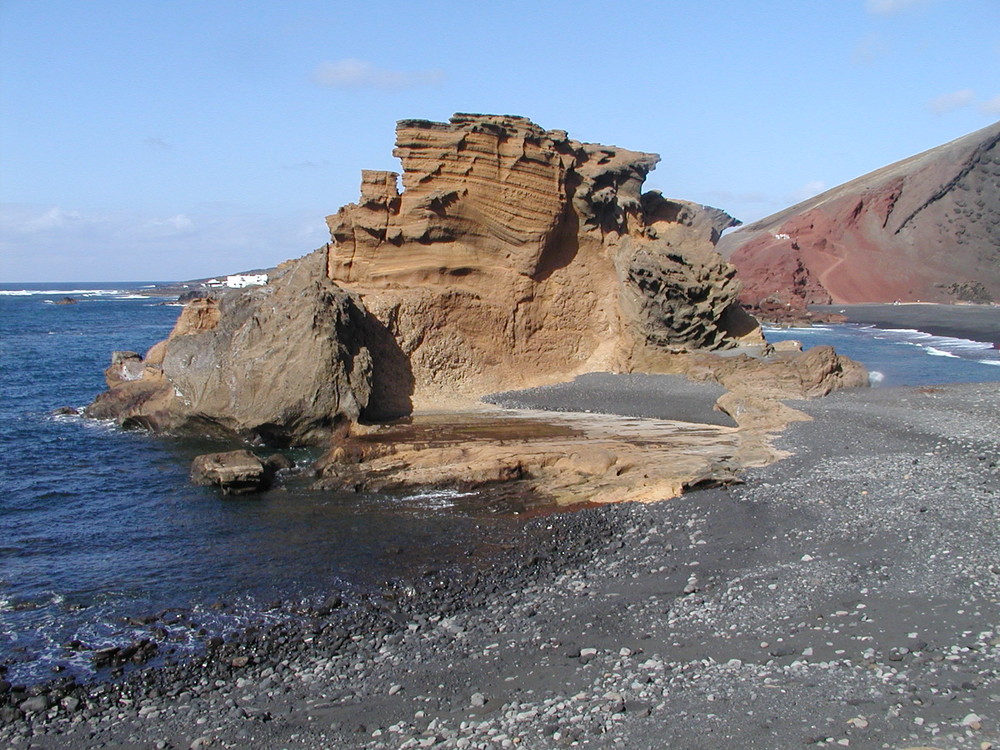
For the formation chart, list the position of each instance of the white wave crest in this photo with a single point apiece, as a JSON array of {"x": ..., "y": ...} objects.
[
  {"x": 935, "y": 352},
  {"x": 435, "y": 499},
  {"x": 62, "y": 292}
]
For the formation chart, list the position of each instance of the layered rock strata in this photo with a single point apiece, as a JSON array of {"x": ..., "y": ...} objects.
[
  {"x": 925, "y": 228},
  {"x": 565, "y": 458},
  {"x": 516, "y": 256},
  {"x": 513, "y": 257}
]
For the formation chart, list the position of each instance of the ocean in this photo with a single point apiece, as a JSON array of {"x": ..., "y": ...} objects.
[
  {"x": 101, "y": 529},
  {"x": 896, "y": 357},
  {"x": 104, "y": 541}
]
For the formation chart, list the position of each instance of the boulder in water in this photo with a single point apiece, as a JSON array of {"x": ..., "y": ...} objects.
[{"x": 234, "y": 472}]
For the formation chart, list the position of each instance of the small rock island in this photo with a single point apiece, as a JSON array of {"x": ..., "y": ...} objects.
[{"x": 512, "y": 257}]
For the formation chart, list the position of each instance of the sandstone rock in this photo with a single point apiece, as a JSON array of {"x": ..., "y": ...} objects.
[
  {"x": 199, "y": 314},
  {"x": 784, "y": 374},
  {"x": 234, "y": 472},
  {"x": 515, "y": 256},
  {"x": 567, "y": 459},
  {"x": 925, "y": 228},
  {"x": 125, "y": 367},
  {"x": 791, "y": 375}
]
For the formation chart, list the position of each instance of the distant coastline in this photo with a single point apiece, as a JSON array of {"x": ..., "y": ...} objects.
[{"x": 973, "y": 322}]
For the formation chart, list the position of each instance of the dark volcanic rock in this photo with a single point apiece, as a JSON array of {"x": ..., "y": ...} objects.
[
  {"x": 925, "y": 228},
  {"x": 283, "y": 362}
]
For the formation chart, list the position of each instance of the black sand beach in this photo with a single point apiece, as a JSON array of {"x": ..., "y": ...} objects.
[
  {"x": 635, "y": 395},
  {"x": 844, "y": 597},
  {"x": 973, "y": 322}
]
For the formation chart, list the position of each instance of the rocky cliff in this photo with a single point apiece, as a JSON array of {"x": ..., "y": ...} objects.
[
  {"x": 513, "y": 256},
  {"x": 926, "y": 228},
  {"x": 516, "y": 256}
]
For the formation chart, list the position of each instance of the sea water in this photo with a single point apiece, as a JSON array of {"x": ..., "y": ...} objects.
[
  {"x": 100, "y": 528},
  {"x": 899, "y": 357}
]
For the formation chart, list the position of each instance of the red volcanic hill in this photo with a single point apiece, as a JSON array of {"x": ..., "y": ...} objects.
[{"x": 926, "y": 228}]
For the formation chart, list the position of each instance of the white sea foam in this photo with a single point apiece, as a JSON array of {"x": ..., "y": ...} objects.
[
  {"x": 435, "y": 499},
  {"x": 797, "y": 329},
  {"x": 61, "y": 292},
  {"x": 941, "y": 347},
  {"x": 935, "y": 352},
  {"x": 875, "y": 377},
  {"x": 938, "y": 346}
]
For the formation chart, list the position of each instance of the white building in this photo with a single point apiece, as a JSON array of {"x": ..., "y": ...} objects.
[{"x": 240, "y": 280}]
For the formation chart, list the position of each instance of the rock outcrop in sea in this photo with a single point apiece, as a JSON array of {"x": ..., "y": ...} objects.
[
  {"x": 926, "y": 228},
  {"x": 513, "y": 257},
  {"x": 516, "y": 256},
  {"x": 284, "y": 363}
]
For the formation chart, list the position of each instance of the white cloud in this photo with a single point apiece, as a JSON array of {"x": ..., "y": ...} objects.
[
  {"x": 157, "y": 144},
  {"x": 359, "y": 74},
  {"x": 178, "y": 224},
  {"x": 869, "y": 49},
  {"x": 811, "y": 188},
  {"x": 951, "y": 101},
  {"x": 890, "y": 7},
  {"x": 991, "y": 107},
  {"x": 45, "y": 243},
  {"x": 53, "y": 218}
]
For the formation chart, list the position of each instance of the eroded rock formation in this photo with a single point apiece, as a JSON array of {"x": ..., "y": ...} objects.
[
  {"x": 283, "y": 363},
  {"x": 516, "y": 256},
  {"x": 582, "y": 457},
  {"x": 926, "y": 228},
  {"x": 513, "y": 257},
  {"x": 566, "y": 458}
]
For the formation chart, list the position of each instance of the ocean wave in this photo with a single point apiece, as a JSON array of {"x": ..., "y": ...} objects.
[
  {"x": 817, "y": 329},
  {"x": 935, "y": 352},
  {"x": 62, "y": 292},
  {"x": 937, "y": 346},
  {"x": 84, "y": 294},
  {"x": 431, "y": 499}
]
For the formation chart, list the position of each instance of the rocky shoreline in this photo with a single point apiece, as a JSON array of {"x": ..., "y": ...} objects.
[{"x": 846, "y": 596}]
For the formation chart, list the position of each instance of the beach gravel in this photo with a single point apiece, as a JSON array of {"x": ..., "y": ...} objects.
[{"x": 848, "y": 596}]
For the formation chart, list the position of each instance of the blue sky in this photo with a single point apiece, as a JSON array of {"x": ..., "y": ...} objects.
[{"x": 176, "y": 139}]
